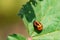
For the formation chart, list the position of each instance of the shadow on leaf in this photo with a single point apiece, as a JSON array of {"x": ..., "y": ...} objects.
[
  {"x": 37, "y": 31},
  {"x": 28, "y": 12},
  {"x": 40, "y": 0},
  {"x": 33, "y": 2}
]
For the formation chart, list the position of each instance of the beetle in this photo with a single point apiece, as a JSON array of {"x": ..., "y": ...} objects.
[{"x": 38, "y": 26}]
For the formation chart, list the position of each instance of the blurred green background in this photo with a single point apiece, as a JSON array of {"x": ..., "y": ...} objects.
[{"x": 10, "y": 22}]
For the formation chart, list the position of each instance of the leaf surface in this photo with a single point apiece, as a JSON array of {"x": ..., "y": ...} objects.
[
  {"x": 16, "y": 37},
  {"x": 49, "y": 36},
  {"x": 46, "y": 12}
]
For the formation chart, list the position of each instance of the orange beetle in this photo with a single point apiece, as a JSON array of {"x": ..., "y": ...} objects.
[{"x": 38, "y": 25}]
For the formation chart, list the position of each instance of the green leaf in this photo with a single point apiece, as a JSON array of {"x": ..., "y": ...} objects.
[
  {"x": 46, "y": 12},
  {"x": 50, "y": 17},
  {"x": 16, "y": 37},
  {"x": 28, "y": 15},
  {"x": 49, "y": 36}
]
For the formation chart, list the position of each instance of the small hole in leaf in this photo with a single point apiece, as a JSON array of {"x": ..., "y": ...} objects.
[{"x": 29, "y": 11}]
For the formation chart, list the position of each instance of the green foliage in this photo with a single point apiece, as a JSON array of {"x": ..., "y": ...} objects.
[
  {"x": 46, "y": 12},
  {"x": 16, "y": 37},
  {"x": 49, "y": 36}
]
